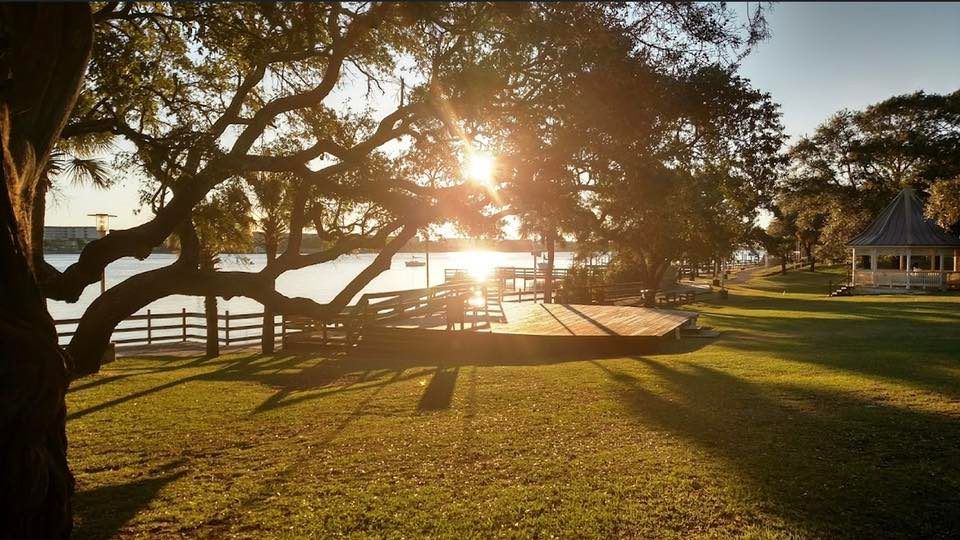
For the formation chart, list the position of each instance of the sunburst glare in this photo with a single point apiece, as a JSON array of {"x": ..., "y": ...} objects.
[
  {"x": 479, "y": 264},
  {"x": 480, "y": 168}
]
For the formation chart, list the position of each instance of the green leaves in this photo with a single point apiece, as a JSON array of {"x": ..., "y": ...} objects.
[
  {"x": 223, "y": 222},
  {"x": 856, "y": 161}
]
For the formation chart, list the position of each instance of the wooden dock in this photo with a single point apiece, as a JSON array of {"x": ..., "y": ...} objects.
[{"x": 514, "y": 330}]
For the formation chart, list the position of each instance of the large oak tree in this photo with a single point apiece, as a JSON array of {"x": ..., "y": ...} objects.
[{"x": 199, "y": 95}]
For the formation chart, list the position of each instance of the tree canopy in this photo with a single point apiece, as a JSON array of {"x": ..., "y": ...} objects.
[
  {"x": 628, "y": 118},
  {"x": 857, "y": 161}
]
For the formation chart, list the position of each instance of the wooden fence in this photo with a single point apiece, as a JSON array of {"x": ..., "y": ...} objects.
[{"x": 158, "y": 328}]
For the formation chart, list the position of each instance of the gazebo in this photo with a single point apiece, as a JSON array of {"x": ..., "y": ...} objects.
[{"x": 901, "y": 248}]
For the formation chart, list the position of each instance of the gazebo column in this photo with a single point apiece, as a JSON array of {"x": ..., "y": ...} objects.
[
  {"x": 873, "y": 266},
  {"x": 942, "y": 277},
  {"x": 853, "y": 268},
  {"x": 909, "y": 262}
]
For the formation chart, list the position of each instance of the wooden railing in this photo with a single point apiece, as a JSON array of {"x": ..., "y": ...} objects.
[
  {"x": 918, "y": 278},
  {"x": 513, "y": 273},
  {"x": 606, "y": 293},
  {"x": 386, "y": 306},
  {"x": 375, "y": 309},
  {"x": 232, "y": 329},
  {"x": 157, "y": 328},
  {"x": 629, "y": 293}
]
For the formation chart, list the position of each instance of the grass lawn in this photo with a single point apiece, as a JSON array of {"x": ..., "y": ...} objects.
[{"x": 809, "y": 416}]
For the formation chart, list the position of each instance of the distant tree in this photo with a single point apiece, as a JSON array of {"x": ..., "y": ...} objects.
[
  {"x": 808, "y": 216},
  {"x": 223, "y": 225},
  {"x": 943, "y": 206},
  {"x": 856, "y": 161},
  {"x": 570, "y": 134},
  {"x": 687, "y": 169},
  {"x": 273, "y": 206},
  {"x": 906, "y": 140},
  {"x": 778, "y": 240}
]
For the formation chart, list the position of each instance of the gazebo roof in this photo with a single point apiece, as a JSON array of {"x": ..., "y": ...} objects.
[{"x": 902, "y": 224}]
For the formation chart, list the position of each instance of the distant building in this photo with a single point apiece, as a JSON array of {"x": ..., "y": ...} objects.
[
  {"x": 57, "y": 239},
  {"x": 70, "y": 233}
]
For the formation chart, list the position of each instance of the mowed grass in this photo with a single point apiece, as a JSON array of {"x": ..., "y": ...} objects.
[{"x": 809, "y": 417}]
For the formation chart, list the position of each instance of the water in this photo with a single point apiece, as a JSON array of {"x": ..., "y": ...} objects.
[{"x": 320, "y": 282}]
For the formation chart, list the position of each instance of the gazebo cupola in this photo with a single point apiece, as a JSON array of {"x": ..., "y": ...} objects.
[{"x": 901, "y": 248}]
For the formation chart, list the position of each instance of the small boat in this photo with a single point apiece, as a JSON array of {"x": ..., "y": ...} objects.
[{"x": 414, "y": 262}]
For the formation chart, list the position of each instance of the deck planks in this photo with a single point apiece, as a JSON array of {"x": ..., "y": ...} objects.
[{"x": 568, "y": 320}]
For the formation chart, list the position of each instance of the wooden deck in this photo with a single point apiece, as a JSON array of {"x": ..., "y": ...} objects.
[
  {"x": 563, "y": 320},
  {"x": 521, "y": 330}
]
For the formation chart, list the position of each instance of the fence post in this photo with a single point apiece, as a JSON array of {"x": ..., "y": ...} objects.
[
  {"x": 283, "y": 331},
  {"x": 183, "y": 324},
  {"x": 226, "y": 328},
  {"x": 149, "y": 329}
]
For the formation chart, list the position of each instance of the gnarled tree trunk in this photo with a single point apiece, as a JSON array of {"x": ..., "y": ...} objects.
[{"x": 44, "y": 49}]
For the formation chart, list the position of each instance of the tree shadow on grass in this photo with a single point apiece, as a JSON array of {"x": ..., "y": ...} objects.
[
  {"x": 219, "y": 525},
  {"x": 831, "y": 464},
  {"x": 915, "y": 344},
  {"x": 303, "y": 376},
  {"x": 438, "y": 395},
  {"x": 175, "y": 363},
  {"x": 244, "y": 361},
  {"x": 101, "y": 512}
]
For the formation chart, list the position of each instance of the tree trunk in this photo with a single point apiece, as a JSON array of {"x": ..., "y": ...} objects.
[
  {"x": 35, "y": 481},
  {"x": 267, "y": 334},
  {"x": 550, "y": 239},
  {"x": 44, "y": 50},
  {"x": 213, "y": 323},
  {"x": 783, "y": 264},
  {"x": 208, "y": 264}
]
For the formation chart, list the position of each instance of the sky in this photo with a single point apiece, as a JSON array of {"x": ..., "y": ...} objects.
[{"x": 822, "y": 57}]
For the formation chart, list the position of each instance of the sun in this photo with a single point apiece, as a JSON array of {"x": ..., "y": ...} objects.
[{"x": 480, "y": 168}]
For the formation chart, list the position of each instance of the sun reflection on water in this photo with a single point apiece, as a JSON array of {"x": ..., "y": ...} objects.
[{"x": 479, "y": 264}]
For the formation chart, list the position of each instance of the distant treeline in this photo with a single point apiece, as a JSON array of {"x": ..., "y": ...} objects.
[{"x": 311, "y": 243}]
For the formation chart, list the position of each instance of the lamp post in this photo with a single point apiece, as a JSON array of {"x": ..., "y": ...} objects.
[{"x": 103, "y": 227}]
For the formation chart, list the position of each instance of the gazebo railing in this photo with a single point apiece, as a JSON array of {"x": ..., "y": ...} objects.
[{"x": 921, "y": 279}]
